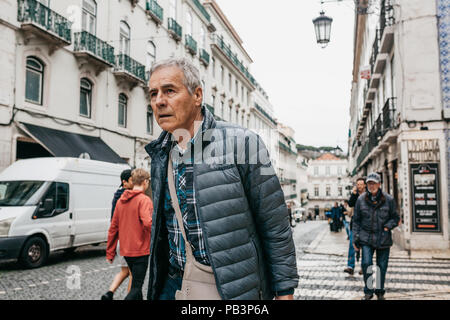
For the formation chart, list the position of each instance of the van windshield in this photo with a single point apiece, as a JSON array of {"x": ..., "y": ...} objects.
[{"x": 20, "y": 193}]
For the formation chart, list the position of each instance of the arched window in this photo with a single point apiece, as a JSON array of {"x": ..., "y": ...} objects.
[
  {"x": 89, "y": 16},
  {"x": 149, "y": 120},
  {"x": 125, "y": 35},
  {"x": 123, "y": 105},
  {"x": 85, "y": 98},
  {"x": 34, "y": 80},
  {"x": 151, "y": 56}
]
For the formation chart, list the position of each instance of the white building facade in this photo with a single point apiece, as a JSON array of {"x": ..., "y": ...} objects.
[
  {"x": 75, "y": 75},
  {"x": 328, "y": 182},
  {"x": 399, "y": 126}
]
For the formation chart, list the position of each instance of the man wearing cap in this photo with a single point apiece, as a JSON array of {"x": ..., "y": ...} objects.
[{"x": 374, "y": 217}]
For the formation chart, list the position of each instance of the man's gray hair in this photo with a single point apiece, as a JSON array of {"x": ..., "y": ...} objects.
[{"x": 191, "y": 74}]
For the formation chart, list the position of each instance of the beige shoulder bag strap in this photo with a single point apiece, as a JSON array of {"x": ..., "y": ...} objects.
[{"x": 198, "y": 280}]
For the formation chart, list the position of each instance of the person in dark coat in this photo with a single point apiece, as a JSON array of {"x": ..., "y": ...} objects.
[
  {"x": 229, "y": 195},
  {"x": 336, "y": 215},
  {"x": 374, "y": 217}
]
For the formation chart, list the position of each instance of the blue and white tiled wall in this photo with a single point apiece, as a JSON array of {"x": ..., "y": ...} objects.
[{"x": 443, "y": 12}]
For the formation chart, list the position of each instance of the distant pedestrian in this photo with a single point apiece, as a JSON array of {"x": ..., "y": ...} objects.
[
  {"x": 131, "y": 225},
  {"x": 358, "y": 189},
  {"x": 289, "y": 206},
  {"x": 126, "y": 184},
  {"x": 374, "y": 217},
  {"x": 336, "y": 216},
  {"x": 345, "y": 222}
]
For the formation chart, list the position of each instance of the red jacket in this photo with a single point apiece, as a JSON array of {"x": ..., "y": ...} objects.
[{"x": 131, "y": 225}]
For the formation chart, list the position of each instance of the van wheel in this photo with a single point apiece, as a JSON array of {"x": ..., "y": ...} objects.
[{"x": 34, "y": 253}]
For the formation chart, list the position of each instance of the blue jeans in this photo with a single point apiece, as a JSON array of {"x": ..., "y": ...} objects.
[
  {"x": 377, "y": 286},
  {"x": 351, "y": 252},
  {"x": 347, "y": 227},
  {"x": 171, "y": 286}
]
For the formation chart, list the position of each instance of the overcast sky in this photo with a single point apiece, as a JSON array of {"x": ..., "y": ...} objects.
[{"x": 308, "y": 86}]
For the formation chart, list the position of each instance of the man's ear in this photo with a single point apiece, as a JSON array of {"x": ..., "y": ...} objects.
[{"x": 198, "y": 96}]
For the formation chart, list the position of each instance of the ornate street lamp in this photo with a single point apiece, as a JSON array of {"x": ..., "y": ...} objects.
[{"x": 322, "y": 25}]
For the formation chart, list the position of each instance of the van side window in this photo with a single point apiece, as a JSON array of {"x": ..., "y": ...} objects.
[
  {"x": 58, "y": 195},
  {"x": 62, "y": 196}
]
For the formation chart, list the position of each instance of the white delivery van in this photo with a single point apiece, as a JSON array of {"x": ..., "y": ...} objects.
[{"x": 49, "y": 204}]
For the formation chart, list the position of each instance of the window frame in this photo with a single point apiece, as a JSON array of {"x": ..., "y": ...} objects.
[
  {"x": 41, "y": 74},
  {"x": 149, "y": 116},
  {"x": 125, "y": 38},
  {"x": 124, "y": 104},
  {"x": 90, "y": 92},
  {"x": 88, "y": 16}
]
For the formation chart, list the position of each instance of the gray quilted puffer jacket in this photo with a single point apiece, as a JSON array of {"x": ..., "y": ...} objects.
[
  {"x": 369, "y": 221},
  {"x": 242, "y": 214}
]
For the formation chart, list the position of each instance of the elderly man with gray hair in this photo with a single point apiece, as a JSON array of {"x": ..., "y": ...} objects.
[
  {"x": 220, "y": 223},
  {"x": 374, "y": 217}
]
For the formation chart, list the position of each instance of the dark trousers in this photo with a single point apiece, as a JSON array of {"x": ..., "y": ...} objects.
[
  {"x": 138, "y": 267},
  {"x": 378, "y": 273},
  {"x": 171, "y": 285}
]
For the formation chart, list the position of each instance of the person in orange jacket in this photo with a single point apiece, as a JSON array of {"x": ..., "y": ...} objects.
[{"x": 131, "y": 225}]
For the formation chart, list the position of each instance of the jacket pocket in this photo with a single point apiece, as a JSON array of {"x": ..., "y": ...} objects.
[{"x": 386, "y": 238}]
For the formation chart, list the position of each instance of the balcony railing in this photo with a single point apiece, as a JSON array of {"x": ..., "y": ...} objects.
[
  {"x": 363, "y": 154},
  {"x": 375, "y": 50},
  {"x": 127, "y": 64},
  {"x": 175, "y": 29},
  {"x": 226, "y": 49},
  {"x": 204, "y": 57},
  {"x": 389, "y": 115},
  {"x": 191, "y": 44},
  {"x": 202, "y": 10},
  {"x": 265, "y": 114},
  {"x": 32, "y": 11},
  {"x": 387, "y": 17},
  {"x": 155, "y": 10},
  {"x": 84, "y": 41}
]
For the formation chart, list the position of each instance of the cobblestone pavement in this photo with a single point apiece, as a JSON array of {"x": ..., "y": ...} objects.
[
  {"x": 82, "y": 275},
  {"x": 57, "y": 280},
  {"x": 322, "y": 277},
  {"x": 85, "y": 275}
]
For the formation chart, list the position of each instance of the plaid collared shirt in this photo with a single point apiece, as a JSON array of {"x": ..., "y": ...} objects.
[{"x": 183, "y": 172}]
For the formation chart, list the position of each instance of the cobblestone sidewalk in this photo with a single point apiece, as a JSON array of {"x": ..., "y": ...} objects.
[{"x": 322, "y": 276}]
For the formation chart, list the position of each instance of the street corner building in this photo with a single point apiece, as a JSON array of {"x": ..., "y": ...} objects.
[
  {"x": 74, "y": 80},
  {"x": 400, "y": 107}
]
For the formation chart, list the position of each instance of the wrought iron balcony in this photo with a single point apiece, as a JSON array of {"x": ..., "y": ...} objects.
[
  {"x": 389, "y": 115},
  {"x": 204, "y": 57},
  {"x": 175, "y": 29},
  {"x": 155, "y": 11},
  {"x": 202, "y": 10},
  {"x": 44, "y": 22},
  {"x": 226, "y": 49},
  {"x": 387, "y": 21},
  {"x": 260, "y": 109},
  {"x": 129, "y": 70},
  {"x": 93, "y": 49},
  {"x": 191, "y": 44}
]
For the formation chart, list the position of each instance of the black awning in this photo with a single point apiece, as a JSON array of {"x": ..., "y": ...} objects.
[{"x": 67, "y": 144}]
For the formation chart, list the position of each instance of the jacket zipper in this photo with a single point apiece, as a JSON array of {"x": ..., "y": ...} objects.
[{"x": 257, "y": 269}]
